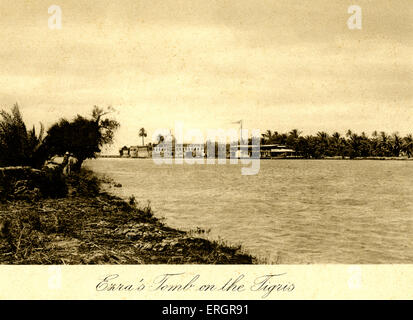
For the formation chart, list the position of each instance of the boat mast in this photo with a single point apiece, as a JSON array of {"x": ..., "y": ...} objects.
[{"x": 241, "y": 132}]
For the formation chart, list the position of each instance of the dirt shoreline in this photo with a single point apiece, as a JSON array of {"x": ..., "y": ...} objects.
[{"x": 99, "y": 228}]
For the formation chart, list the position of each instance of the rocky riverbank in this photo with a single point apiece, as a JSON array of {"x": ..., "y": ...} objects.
[{"x": 89, "y": 226}]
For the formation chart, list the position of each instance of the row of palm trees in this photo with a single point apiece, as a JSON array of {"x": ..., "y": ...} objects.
[
  {"x": 321, "y": 145},
  {"x": 351, "y": 144}
]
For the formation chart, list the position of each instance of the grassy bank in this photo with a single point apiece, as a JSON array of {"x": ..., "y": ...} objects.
[{"x": 90, "y": 226}]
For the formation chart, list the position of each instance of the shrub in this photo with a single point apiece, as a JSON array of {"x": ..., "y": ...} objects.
[
  {"x": 26, "y": 183},
  {"x": 19, "y": 146},
  {"x": 52, "y": 183},
  {"x": 84, "y": 183}
]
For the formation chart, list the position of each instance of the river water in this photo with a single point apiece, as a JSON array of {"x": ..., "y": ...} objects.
[{"x": 292, "y": 212}]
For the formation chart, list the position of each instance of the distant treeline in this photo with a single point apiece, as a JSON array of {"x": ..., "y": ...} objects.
[{"x": 350, "y": 144}]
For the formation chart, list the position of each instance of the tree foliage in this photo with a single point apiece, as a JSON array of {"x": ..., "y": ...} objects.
[
  {"x": 143, "y": 134},
  {"x": 19, "y": 146},
  {"x": 350, "y": 145},
  {"x": 83, "y": 137}
]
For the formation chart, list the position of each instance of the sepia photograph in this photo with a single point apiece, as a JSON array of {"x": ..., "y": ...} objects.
[{"x": 190, "y": 132}]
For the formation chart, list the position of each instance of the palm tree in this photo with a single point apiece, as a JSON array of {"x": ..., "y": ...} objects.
[
  {"x": 267, "y": 136},
  {"x": 143, "y": 134},
  {"x": 322, "y": 135},
  {"x": 408, "y": 145},
  {"x": 374, "y": 143},
  {"x": 365, "y": 145},
  {"x": 322, "y": 145},
  {"x": 292, "y": 138},
  {"x": 336, "y": 136},
  {"x": 396, "y": 142},
  {"x": 19, "y": 146},
  {"x": 384, "y": 144},
  {"x": 354, "y": 144},
  {"x": 295, "y": 133},
  {"x": 337, "y": 144}
]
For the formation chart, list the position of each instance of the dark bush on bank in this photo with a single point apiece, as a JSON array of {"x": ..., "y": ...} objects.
[
  {"x": 25, "y": 183},
  {"x": 19, "y": 146},
  {"x": 52, "y": 184},
  {"x": 84, "y": 183}
]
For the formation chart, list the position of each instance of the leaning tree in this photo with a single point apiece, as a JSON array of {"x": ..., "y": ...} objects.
[{"x": 83, "y": 137}]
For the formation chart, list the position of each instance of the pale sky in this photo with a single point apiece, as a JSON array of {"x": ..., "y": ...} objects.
[{"x": 277, "y": 65}]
